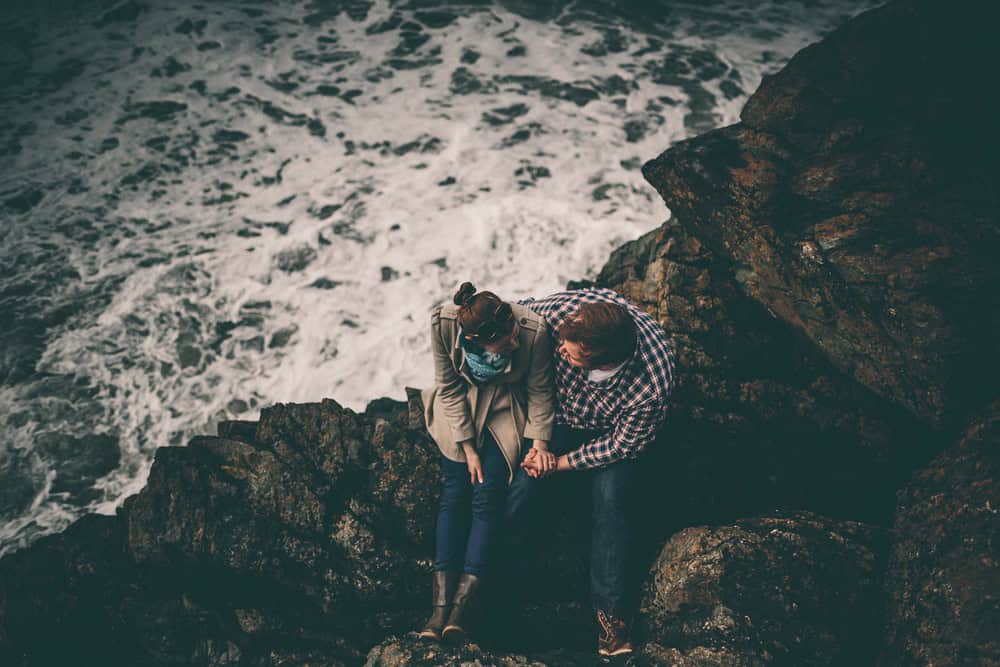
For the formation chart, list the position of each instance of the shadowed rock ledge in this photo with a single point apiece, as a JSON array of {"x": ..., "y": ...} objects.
[{"x": 825, "y": 492}]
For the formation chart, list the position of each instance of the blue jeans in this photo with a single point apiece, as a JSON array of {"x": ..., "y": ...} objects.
[
  {"x": 610, "y": 532},
  {"x": 469, "y": 516}
]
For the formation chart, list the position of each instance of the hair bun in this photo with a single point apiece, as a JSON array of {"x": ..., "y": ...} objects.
[{"x": 464, "y": 294}]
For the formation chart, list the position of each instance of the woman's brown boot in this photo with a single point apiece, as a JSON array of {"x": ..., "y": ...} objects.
[
  {"x": 465, "y": 599},
  {"x": 443, "y": 589}
]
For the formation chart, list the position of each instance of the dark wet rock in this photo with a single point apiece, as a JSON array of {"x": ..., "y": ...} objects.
[
  {"x": 518, "y": 51},
  {"x": 759, "y": 419},
  {"x": 400, "y": 652},
  {"x": 943, "y": 582},
  {"x": 389, "y": 273},
  {"x": 447, "y": 181},
  {"x": 876, "y": 256},
  {"x": 61, "y": 601},
  {"x": 793, "y": 590},
  {"x": 295, "y": 258},
  {"x": 210, "y": 45}
]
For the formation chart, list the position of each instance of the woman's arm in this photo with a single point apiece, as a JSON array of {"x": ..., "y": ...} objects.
[
  {"x": 451, "y": 386},
  {"x": 540, "y": 387}
]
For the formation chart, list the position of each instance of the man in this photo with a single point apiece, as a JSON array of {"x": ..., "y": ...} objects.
[{"x": 614, "y": 374}]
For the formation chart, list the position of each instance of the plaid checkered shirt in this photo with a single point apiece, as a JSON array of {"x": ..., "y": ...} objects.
[{"x": 630, "y": 405}]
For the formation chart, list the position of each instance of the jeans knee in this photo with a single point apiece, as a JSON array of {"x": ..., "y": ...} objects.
[{"x": 486, "y": 497}]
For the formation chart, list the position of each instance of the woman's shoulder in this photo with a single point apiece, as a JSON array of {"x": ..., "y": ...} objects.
[
  {"x": 527, "y": 318},
  {"x": 446, "y": 311}
]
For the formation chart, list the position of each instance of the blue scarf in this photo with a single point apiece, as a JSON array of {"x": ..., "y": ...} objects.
[{"x": 483, "y": 365}]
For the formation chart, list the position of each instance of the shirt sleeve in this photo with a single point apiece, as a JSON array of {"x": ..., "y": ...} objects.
[{"x": 630, "y": 435}]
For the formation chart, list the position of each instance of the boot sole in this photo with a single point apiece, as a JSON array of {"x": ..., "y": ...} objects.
[
  {"x": 621, "y": 651},
  {"x": 426, "y": 634}
]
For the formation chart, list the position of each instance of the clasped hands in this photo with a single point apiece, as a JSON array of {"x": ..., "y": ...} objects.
[{"x": 539, "y": 462}]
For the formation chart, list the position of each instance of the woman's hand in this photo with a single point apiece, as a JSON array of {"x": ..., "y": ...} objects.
[
  {"x": 475, "y": 465},
  {"x": 543, "y": 461}
]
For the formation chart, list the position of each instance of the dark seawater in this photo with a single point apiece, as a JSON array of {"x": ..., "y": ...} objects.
[{"x": 208, "y": 208}]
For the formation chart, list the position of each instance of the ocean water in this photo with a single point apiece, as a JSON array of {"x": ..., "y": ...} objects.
[{"x": 208, "y": 208}]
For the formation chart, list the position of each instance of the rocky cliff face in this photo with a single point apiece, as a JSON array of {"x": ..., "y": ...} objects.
[
  {"x": 857, "y": 201},
  {"x": 828, "y": 281}
]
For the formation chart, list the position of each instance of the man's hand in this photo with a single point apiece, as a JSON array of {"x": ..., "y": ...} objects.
[
  {"x": 475, "y": 465},
  {"x": 540, "y": 463}
]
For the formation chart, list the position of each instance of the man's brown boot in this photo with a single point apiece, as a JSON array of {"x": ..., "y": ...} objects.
[
  {"x": 612, "y": 638},
  {"x": 443, "y": 588},
  {"x": 465, "y": 599}
]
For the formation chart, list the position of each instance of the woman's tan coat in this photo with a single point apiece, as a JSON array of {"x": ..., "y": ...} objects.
[{"x": 516, "y": 404}]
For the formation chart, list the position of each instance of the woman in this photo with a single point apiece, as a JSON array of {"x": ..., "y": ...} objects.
[{"x": 493, "y": 388}]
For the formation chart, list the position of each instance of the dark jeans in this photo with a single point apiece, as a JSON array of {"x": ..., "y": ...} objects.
[
  {"x": 469, "y": 517},
  {"x": 610, "y": 532}
]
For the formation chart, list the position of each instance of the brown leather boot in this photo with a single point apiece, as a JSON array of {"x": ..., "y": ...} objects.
[
  {"x": 612, "y": 638},
  {"x": 456, "y": 630},
  {"x": 443, "y": 588}
]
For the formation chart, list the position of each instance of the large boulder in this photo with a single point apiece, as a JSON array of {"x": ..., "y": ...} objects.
[
  {"x": 944, "y": 574},
  {"x": 790, "y": 590},
  {"x": 857, "y": 202},
  {"x": 760, "y": 419},
  {"x": 321, "y": 521}
]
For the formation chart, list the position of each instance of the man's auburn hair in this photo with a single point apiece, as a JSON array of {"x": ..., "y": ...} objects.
[{"x": 605, "y": 330}]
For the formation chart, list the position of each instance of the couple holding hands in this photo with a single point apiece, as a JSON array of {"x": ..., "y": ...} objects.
[{"x": 575, "y": 382}]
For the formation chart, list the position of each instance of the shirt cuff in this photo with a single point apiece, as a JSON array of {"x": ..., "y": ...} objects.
[{"x": 575, "y": 460}]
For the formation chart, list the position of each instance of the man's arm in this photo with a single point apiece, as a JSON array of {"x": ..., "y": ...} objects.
[{"x": 631, "y": 434}]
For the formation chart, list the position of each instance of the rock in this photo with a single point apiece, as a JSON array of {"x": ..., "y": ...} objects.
[
  {"x": 759, "y": 419},
  {"x": 395, "y": 652},
  {"x": 60, "y": 598},
  {"x": 328, "y": 511},
  {"x": 855, "y": 201},
  {"x": 944, "y": 581},
  {"x": 798, "y": 590}
]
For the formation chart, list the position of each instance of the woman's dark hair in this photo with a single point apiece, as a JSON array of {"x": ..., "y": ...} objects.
[
  {"x": 606, "y": 330},
  {"x": 484, "y": 316}
]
